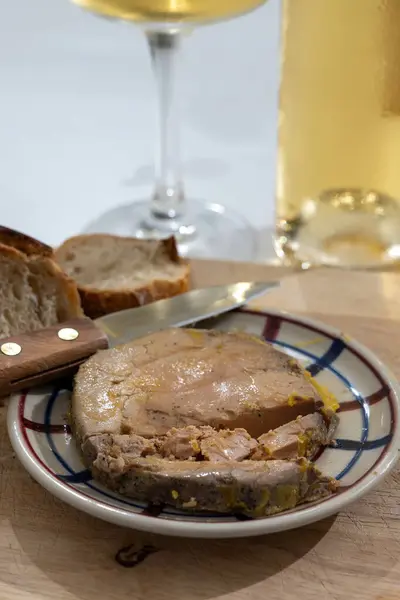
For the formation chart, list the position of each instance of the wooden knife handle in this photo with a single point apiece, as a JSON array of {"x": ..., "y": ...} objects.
[{"x": 42, "y": 356}]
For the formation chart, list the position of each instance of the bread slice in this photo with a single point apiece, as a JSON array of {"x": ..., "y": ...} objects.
[
  {"x": 34, "y": 292},
  {"x": 115, "y": 273},
  {"x": 26, "y": 244}
]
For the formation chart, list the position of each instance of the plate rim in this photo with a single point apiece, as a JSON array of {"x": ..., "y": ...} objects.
[{"x": 273, "y": 524}]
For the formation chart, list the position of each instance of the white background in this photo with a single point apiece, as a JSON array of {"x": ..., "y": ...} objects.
[{"x": 77, "y": 115}]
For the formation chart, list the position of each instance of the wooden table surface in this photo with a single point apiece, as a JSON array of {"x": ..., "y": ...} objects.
[{"x": 49, "y": 550}]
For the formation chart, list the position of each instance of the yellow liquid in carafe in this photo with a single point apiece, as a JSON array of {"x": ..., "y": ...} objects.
[{"x": 338, "y": 181}]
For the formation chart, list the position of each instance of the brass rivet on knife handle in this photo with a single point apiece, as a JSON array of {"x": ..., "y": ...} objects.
[
  {"x": 10, "y": 349},
  {"x": 47, "y": 354},
  {"x": 68, "y": 334}
]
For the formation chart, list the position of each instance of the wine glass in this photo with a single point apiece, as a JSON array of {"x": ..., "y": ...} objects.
[{"x": 202, "y": 228}]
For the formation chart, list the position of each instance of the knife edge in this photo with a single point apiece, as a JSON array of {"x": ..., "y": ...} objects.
[{"x": 180, "y": 311}]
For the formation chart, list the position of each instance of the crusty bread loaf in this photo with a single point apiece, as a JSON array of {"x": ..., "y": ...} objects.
[
  {"x": 115, "y": 273},
  {"x": 34, "y": 292}
]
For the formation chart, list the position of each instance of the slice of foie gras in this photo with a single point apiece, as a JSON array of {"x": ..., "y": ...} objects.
[
  {"x": 181, "y": 377},
  {"x": 300, "y": 438}
]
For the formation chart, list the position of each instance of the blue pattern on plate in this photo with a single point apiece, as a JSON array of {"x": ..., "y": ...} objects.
[
  {"x": 368, "y": 445},
  {"x": 326, "y": 360}
]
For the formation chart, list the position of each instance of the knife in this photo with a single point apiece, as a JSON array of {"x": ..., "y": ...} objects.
[{"x": 47, "y": 354}]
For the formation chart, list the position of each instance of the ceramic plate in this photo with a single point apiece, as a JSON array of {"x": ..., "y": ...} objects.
[{"x": 365, "y": 449}]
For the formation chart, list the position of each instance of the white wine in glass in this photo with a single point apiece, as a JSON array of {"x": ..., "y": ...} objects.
[
  {"x": 170, "y": 11},
  {"x": 202, "y": 228}
]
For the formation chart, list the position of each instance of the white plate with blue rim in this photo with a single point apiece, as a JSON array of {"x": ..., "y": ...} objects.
[{"x": 365, "y": 449}]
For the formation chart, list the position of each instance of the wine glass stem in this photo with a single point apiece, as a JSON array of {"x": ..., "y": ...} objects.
[{"x": 168, "y": 197}]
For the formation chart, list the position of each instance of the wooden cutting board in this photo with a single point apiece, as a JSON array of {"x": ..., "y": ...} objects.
[{"x": 48, "y": 550}]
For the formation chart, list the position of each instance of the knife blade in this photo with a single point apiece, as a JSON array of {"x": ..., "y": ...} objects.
[
  {"x": 48, "y": 354},
  {"x": 179, "y": 311}
]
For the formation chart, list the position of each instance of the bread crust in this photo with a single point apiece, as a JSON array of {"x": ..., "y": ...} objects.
[
  {"x": 24, "y": 243},
  {"x": 98, "y": 302}
]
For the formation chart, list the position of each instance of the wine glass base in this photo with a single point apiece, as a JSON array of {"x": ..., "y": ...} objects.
[{"x": 207, "y": 230}]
